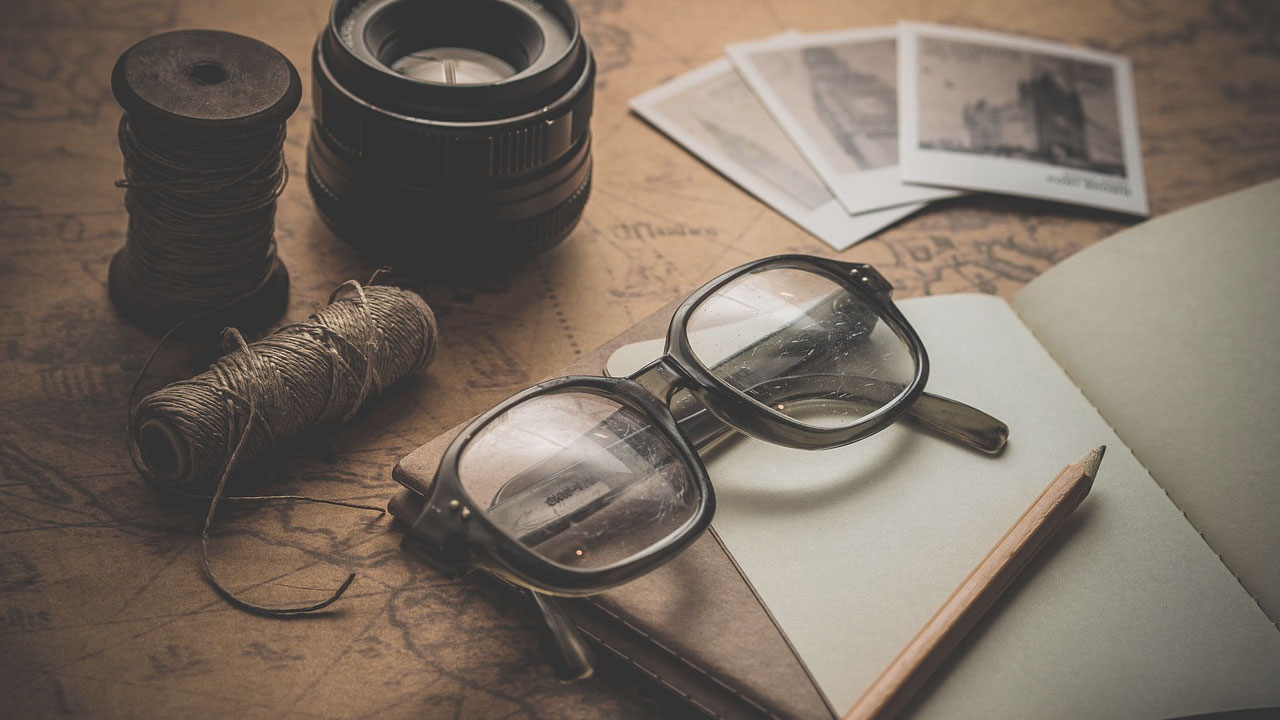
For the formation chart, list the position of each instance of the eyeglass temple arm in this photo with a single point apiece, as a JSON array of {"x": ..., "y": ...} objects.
[
  {"x": 567, "y": 651},
  {"x": 949, "y": 418},
  {"x": 959, "y": 422},
  {"x": 563, "y": 644}
]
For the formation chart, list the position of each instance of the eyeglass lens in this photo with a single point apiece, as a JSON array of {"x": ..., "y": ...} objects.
[
  {"x": 579, "y": 479},
  {"x": 803, "y": 345}
]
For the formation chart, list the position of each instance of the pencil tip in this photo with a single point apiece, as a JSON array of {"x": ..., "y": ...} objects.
[{"x": 1092, "y": 460}]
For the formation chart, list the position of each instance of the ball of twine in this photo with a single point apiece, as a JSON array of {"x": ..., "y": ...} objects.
[
  {"x": 189, "y": 436},
  {"x": 306, "y": 375}
]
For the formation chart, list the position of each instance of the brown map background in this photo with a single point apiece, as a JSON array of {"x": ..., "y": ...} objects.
[{"x": 103, "y": 611}]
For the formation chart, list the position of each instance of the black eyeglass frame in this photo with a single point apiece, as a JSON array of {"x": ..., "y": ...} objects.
[
  {"x": 457, "y": 536},
  {"x": 748, "y": 415}
]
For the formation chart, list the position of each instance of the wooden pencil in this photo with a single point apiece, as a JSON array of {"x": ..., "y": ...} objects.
[{"x": 893, "y": 690}]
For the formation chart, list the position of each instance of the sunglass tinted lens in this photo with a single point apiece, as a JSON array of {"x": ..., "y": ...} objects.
[
  {"x": 579, "y": 479},
  {"x": 802, "y": 344}
]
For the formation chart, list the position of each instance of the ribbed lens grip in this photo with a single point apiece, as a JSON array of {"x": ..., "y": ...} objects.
[{"x": 405, "y": 147}]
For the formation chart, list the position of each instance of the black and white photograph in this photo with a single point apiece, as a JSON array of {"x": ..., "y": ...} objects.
[
  {"x": 836, "y": 96},
  {"x": 995, "y": 112},
  {"x": 1009, "y": 103},
  {"x": 714, "y": 115}
]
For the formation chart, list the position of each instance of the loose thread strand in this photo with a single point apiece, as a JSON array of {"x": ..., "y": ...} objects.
[{"x": 222, "y": 590}]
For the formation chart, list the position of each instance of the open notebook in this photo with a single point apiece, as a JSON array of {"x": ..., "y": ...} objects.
[{"x": 1159, "y": 342}]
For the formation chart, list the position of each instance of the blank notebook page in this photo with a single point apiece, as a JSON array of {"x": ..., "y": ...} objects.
[
  {"x": 1127, "y": 613},
  {"x": 1183, "y": 316}
]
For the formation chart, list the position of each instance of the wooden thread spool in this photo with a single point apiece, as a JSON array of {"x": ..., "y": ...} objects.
[{"x": 200, "y": 106}]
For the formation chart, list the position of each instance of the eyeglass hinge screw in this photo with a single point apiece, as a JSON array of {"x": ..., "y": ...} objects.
[
  {"x": 466, "y": 513},
  {"x": 454, "y": 504}
]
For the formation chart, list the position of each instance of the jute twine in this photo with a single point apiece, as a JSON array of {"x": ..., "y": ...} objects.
[
  {"x": 189, "y": 436},
  {"x": 201, "y": 210}
]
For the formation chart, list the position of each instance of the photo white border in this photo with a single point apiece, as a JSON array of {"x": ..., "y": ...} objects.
[
  {"x": 1010, "y": 175},
  {"x": 859, "y": 191},
  {"x": 829, "y": 222}
]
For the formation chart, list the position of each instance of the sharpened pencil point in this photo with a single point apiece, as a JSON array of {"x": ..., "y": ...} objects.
[{"x": 1092, "y": 460}]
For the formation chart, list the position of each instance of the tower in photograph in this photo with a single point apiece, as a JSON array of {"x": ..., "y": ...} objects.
[
  {"x": 1046, "y": 122},
  {"x": 1058, "y": 116},
  {"x": 858, "y": 109}
]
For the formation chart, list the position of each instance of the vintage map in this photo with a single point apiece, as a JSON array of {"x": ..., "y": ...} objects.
[{"x": 103, "y": 611}]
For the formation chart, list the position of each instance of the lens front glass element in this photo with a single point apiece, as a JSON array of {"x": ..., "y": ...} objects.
[
  {"x": 453, "y": 66},
  {"x": 579, "y": 479},
  {"x": 803, "y": 345},
  {"x": 478, "y": 42}
]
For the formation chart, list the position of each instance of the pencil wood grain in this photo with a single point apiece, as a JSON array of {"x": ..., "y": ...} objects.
[{"x": 893, "y": 690}]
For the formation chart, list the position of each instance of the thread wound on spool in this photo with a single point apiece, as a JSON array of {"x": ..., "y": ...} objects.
[
  {"x": 306, "y": 375},
  {"x": 202, "y": 139}
]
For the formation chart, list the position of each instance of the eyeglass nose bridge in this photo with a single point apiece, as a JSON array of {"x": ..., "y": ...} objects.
[{"x": 662, "y": 378}]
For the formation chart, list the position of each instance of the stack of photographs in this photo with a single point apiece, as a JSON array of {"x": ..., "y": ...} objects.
[{"x": 848, "y": 132}]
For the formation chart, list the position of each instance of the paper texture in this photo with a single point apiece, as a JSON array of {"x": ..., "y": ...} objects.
[
  {"x": 1170, "y": 328},
  {"x": 1127, "y": 613}
]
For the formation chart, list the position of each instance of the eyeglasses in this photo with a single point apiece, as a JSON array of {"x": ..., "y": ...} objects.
[
  {"x": 581, "y": 483},
  {"x": 578, "y": 484}
]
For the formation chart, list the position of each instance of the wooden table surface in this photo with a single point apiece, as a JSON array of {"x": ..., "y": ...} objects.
[{"x": 103, "y": 611}]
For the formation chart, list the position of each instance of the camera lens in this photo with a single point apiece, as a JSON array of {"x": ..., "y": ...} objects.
[{"x": 451, "y": 134}]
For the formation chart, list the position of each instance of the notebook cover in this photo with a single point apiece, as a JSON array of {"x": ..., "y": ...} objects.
[{"x": 693, "y": 625}]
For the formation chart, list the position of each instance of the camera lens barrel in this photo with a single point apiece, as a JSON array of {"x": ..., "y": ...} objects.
[{"x": 451, "y": 135}]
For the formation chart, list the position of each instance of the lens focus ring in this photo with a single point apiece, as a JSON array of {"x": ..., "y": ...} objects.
[{"x": 449, "y": 150}]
